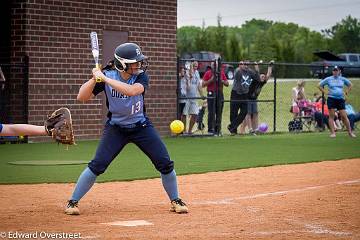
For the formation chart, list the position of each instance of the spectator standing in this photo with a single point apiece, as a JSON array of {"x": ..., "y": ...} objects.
[
  {"x": 212, "y": 87},
  {"x": 252, "y": 117},
  {"x": 240, "y": 95},
  {"x": 224, "y": 82},
  {"x": 336, "y": 98},
  {"x": 193, "y": 90},
  {"x": 209, "y": 83},
  {"x": 182, "y": 102}
]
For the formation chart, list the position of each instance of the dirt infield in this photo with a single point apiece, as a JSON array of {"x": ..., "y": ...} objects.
[{"x": 304, "y": 201}]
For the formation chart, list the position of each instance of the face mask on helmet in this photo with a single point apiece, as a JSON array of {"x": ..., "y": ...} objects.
[{"x": 122, "y": 66}]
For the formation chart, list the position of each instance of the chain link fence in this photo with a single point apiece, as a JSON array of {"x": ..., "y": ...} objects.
[{"x": 274, "y": 104}]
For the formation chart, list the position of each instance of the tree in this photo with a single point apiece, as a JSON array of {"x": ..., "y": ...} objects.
[
  {"x": 233, "y": 50},
  {"x": 248, "y": 33},
  {"x": 267, "y": 40},
  {"x": 344, "y": 36},
  {"x": 220, "y": 37},
  {"x": 186, "y": 39},
  {"x": 263, "y": 49},
  {"x": 200, "y": 39}
]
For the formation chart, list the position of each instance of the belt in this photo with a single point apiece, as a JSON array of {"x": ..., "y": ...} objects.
[{"x": 133, "y": 125}]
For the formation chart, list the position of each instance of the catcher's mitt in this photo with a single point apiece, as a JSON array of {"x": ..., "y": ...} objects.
[{"x": 59, "y": 126}]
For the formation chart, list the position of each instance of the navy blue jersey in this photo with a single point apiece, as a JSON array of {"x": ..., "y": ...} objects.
[
  {"x": 123, "y": 110},
  {"x": 255, "y": 88}
]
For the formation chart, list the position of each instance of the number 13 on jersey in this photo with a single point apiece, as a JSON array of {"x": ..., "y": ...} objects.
[{"x": 135, "y": 108}]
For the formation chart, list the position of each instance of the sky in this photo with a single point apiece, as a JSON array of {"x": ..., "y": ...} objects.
[{"x": 313, "y": 14}]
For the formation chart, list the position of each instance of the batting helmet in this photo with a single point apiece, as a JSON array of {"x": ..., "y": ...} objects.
[{"x": 127, "y": 53}]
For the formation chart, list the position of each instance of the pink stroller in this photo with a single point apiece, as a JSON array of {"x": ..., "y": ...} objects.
[{"x": 306, "y": 113}]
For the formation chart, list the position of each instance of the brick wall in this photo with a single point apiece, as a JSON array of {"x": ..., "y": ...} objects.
[
  {"x": 55, "y": 36},
  {"x": 5, "y": 27},
  {"x": 13, "y": 92}
]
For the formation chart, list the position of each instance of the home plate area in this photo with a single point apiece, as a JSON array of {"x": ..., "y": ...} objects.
[{"x": 133, "y": 223}]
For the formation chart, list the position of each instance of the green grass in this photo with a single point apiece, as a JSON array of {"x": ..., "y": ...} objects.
[
  {"x": 191, "y": 155},
  {"x": 283, "y": 116}
]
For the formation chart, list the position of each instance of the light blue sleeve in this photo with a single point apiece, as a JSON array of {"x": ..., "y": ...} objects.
[
  {"x": 349, "y": 109},
  {"x": 324, "y": 82},
  {"x": 346, "y": 81}
]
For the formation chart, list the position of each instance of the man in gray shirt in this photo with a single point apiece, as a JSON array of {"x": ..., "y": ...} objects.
[{"x": 239, "y": 95}]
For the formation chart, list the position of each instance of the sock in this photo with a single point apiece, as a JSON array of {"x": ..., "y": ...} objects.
[
  {"x": 84, "y": 183},
  {"x": 170, "y": 184}
]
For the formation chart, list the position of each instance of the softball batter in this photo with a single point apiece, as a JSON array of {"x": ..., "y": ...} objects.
[{"x": 127, "y": 122}]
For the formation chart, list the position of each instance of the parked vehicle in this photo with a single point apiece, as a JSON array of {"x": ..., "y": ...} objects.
[{"x": 349, "y": 63}]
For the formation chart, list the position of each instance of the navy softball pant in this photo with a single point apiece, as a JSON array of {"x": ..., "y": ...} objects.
[{"x": 114, "y": 139}]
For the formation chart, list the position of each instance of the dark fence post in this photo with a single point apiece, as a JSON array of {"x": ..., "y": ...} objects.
[
  {"x": 178, "y": 88},
  {"x": 275, "y": 83},
  {"x": 218, "y": 100}
]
